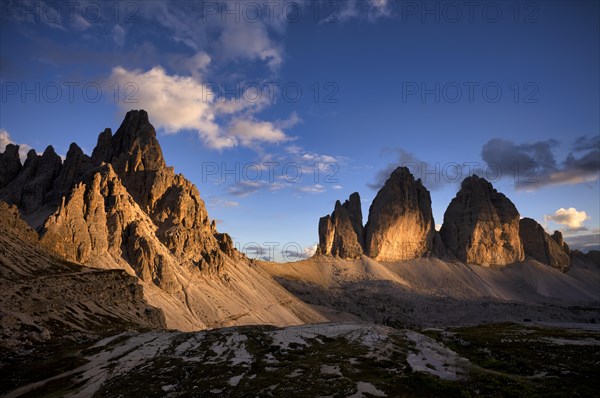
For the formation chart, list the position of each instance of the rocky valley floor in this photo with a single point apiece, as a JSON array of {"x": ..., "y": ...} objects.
[{"x": 329, "y": 360}]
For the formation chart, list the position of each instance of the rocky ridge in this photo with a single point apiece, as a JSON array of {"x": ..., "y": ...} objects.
[
  {"x": 126, "y": 184},
  {"x": 341, "y": 233},
  {"x": 481, "y": 227},
  {"x": 541, "y": 246}
]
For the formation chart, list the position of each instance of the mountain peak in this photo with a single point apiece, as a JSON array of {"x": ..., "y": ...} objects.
[
  {"x": 400, "y": 224},
  {"x": 135, "y": 140},
  {"x": 401, "y": 173},
  {"x": 474, "y": 181},
  {"x": 481, "y": 225}
]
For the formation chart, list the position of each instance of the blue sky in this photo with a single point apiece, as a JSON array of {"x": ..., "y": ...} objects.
[{"x": 346, "y": 91}]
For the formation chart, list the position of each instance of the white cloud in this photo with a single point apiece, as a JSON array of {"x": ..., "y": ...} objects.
[
  {"x": 176, "y": 103},
  {"x": 348, "y": 11},
  {"x": 310, "y": 250},
  {"x": 571, "y": 218},
  {"x": 5, "y": 139},
  {"x": 248, "y": 131},
  {"x": 173, "y": 102}
]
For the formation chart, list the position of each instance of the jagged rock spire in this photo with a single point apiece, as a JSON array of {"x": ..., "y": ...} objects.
[
  {"x": 400, "y": 225},
  {"x": 341, "y": 233}
]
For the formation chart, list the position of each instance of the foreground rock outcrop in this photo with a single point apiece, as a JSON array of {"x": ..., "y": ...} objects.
[
  {"x": 45, "y": 298},
  {"x": 541, "y": 246},
  {"x": 400, "y": 224},
  {"x": 481, "y": 225},
  {"x": 341, "y": 233}
]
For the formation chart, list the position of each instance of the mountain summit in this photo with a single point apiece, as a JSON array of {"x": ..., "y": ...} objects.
[
  {"x": 481, "y": 225},
  {"x": 400, "y": 225}
]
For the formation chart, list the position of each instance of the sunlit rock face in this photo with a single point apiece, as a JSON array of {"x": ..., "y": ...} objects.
[
  {"x": 400, "y": 224},
  {"x": 481, "y": 225},
  {"x": 172, "y": 202},
  {"x": 543, "y": 247},
  {"x": 341, "y": 233}
]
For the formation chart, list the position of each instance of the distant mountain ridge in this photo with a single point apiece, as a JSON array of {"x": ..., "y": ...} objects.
[{"x": 481, "y": 227}]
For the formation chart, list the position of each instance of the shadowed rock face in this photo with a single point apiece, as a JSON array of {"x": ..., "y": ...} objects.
[
  {"x": 481, "y": 225},
  {"x": 341, "y": 233},
  {"x": 558, "y": 238},
  {"x": 10, "y": 164},
  {"x": 400, "y": 225},
  {"x": 541, "y": 246},
  {"x": 30, "y": 189}
]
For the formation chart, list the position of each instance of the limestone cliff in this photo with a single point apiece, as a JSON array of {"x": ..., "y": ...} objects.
[
  {"x": 400, "y": 225},
  {"x": 481, "y": 225}
]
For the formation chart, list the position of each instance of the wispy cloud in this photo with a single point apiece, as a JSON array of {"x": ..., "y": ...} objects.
[
  {"x": 217, "y": 201},
  {"x": 242, "y": 189},
  {"x": 316, "y": 188},
  {"x": 348, "y": 10},
  {"x": 294, "y": 169},
  {"x": 118, "y": 35}
]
